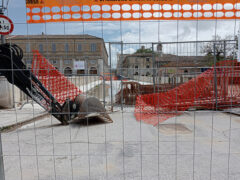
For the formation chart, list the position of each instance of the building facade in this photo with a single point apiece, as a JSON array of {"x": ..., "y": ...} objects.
[
  {"x": 70, "y": 54},
  {"x": 168, "y": 68},
  {"x": 140, "y": 63}
]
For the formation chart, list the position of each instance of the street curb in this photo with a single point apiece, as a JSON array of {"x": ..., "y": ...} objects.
[
  {"x": 237, "y": 114},
  {"x": 9, "y": 128}
]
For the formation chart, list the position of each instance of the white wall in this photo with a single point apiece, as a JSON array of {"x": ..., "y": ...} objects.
[{"x": 5, "y": 93}]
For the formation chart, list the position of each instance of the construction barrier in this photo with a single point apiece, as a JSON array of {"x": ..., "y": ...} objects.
[{"x": 216, "y": 88}]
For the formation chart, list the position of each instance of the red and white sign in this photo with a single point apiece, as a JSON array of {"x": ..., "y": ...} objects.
[{"x": 6, "y": 25}]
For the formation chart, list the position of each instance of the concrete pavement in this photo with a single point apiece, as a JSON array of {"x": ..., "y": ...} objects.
[
  {"x": 196, "y": 145},
  {"x": 203, "y": 144},
  {"x": 14, "y": 116}
]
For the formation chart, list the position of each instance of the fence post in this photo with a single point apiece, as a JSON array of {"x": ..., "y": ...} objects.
[
  {"x": 104, "y": 93},
  {"x": 122, "y": 75},
  {"x": 154, "y": 69},
  {"x": 2, "y": 176},
  {"x": 224, "y": 70},
  {"x": 111, "y": 83},
  {"x": 215, "y": 75}
]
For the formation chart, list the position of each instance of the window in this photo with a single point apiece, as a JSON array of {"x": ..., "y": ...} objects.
[
  {"x": 67, "y": 71},
  {"x": 28, "y": 48},
  {"x": 80, "y": 71},
  {"x": 92, "y": 62},
  {"x": 136, "y": 67},
  {"x": 53, "y": 47},
  {"x": 28, "y": 61},
  {"x": 79, "y": 47},
  {"x": 93, "y": 47},
  {"x": 53, "y": 61},
  {"x": 40, "y": 48},
  {"x": 148, "y": 66},
  {"x": 148, "y": 59},
  {"x": 67, "y": 61},
  {"x": 66, "y": 47},
  {"x": 93, "y": 70}
]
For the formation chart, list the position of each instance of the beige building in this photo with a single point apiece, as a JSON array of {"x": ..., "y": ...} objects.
[
  {"x": 180, "y": 72},
  {"x": 138, "y": 64},
  {"x": 168, "y": 68},
  {"x": 70, "y": 54}
]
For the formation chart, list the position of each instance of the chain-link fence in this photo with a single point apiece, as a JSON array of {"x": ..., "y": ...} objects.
[{"x": 174, "y": 106}]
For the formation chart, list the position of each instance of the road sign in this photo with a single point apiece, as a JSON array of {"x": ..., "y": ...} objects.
[{"x": 6, "y": 25}]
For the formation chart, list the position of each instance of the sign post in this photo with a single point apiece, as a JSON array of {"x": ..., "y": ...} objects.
[{"x": 2, "y": 175}]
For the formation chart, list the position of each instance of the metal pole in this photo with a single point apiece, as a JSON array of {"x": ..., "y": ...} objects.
[
  {"x": 224, "y": 50},
  {"x": 104, "y": 93},
  {"x": 122, "y": 75},
  {"x": 224, "y": 72},
  {"x": 111, "y": 83},
  {"x": 2, "y": 175},
  {"x": 215, "y": 75},
  {"x": 121, "y": 59},
  {"x": 154, "y": 69},
  {"x": 2, "y": 12}
]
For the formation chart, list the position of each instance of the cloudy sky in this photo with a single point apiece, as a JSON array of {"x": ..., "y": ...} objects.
[{"x": 126, "y": 31}]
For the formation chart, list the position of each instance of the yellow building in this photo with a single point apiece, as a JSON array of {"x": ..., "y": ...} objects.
[{"x": 71, "y": 54}]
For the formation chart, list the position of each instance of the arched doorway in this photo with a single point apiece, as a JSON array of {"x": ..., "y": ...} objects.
[
  {"x": 67, "y": 71},
  {"x": 93, "y": 70}
]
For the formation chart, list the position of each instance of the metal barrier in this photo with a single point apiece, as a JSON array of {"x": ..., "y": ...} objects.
[
  {"x": 97, "y": 80},
  {"x": 189, "y": 144}
]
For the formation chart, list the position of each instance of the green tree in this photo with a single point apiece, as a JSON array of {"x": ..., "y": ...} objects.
[{"x": 143, "y": 50}]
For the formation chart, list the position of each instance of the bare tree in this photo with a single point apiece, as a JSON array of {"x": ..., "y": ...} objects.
[{"x": 223, "y": 48}]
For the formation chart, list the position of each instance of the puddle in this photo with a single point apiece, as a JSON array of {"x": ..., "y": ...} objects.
[{"x": 172, "y": 128}]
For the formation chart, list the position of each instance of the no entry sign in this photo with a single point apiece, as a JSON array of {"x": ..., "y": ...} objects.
[{"x": 6, "y": 25}]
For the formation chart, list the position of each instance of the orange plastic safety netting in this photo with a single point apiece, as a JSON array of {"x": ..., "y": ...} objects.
[
  {"x": 54, "y": 81},
  {"x": 215, "y": 88},
  {"x": 41, "y": 11}
]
